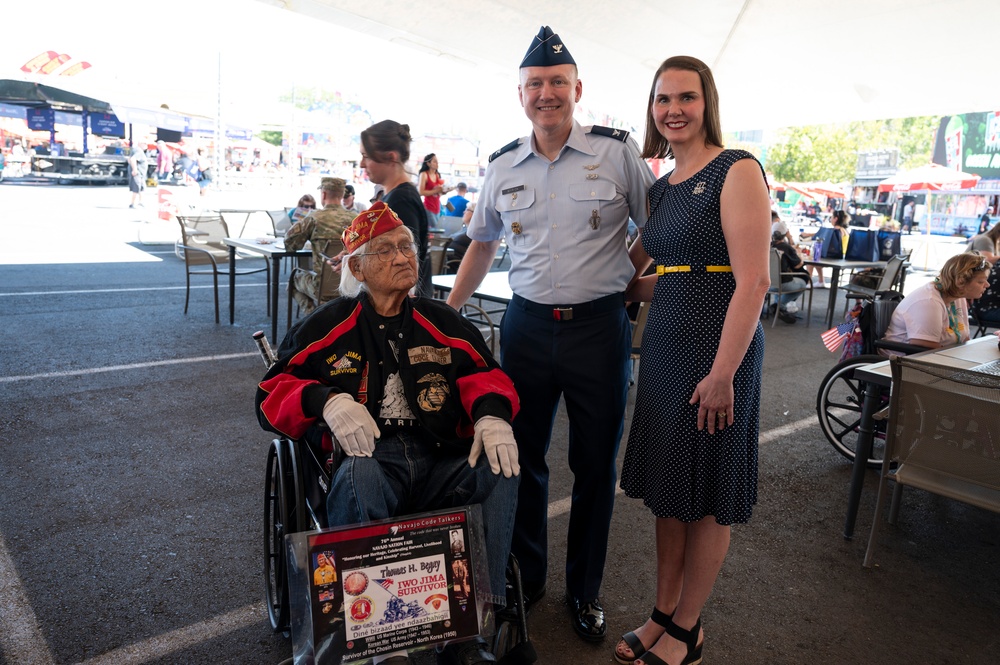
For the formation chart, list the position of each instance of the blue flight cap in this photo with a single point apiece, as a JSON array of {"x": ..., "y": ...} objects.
[{"x": 546, "y": 50}]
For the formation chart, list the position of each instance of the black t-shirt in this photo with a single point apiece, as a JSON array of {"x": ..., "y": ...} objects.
[
  {"x": 405, "y": 201},
  {"x": 393, "y": 413},
  {"x": 990, "y": 299},
  {"x": 789, "y": 259}
]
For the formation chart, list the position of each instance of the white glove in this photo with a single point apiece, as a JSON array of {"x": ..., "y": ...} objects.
[
  {"x": 497, "y": 438},
  {"x": 351, "y": 424}
]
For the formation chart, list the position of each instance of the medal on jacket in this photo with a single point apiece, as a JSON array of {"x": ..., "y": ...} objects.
[
  {"x": 516, "y": 228},
  {"x": 595, "y": 219}
]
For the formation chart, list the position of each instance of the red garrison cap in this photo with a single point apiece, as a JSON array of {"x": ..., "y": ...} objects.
[{"x": 372, "y": 223}]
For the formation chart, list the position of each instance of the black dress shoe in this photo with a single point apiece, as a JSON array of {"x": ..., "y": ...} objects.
[
  {"x": 588, "y": 618},
  {"x": 471, "y": 652}
]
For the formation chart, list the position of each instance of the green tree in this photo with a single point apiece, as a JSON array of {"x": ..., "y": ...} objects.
[
  {"x": 271, "y": 136},
  {"x": 830, "y": 152}
]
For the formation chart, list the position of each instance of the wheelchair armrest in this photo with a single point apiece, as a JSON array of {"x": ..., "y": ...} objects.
[{"x": 902, "y": 347}]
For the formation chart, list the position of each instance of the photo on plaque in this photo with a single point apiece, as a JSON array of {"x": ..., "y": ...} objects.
[{"x": 406, "y": 583}]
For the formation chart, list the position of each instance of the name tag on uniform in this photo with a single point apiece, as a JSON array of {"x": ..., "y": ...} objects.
[{"x": 511, "y": 190}]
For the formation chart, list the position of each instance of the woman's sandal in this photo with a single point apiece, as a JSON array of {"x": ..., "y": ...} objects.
[
  {"x": 633, "y": 642},
  {"x": 688, "y": 637}
]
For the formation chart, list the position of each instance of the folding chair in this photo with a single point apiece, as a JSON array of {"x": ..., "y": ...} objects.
[
  {"x": 329, "y": 280},
  {"x": 779, "y": 289},
  {"x": 205, "y": 253},
  {"x": 942, "y": 438},
  {"x": 886, "y": 281}
]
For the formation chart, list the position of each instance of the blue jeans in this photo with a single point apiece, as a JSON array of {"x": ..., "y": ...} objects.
[
  {"x": 796, "y": 283},
  {"x": 404, "y": 476}
]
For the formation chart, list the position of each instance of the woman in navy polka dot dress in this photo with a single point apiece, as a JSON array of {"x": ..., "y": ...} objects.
[{"x": 692, "y": 448}]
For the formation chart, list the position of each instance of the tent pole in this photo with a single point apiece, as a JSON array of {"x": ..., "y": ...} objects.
[{"x": 927, "y": 232}]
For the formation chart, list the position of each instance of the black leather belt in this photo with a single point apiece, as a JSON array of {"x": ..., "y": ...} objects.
[{"x": 582, "y": 310}]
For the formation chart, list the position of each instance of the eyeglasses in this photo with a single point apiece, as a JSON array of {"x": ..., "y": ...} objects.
[{"x": 387, "y": 253}]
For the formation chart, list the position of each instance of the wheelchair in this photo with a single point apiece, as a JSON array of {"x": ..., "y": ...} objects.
[
  {"x": 841, "y": 393},
  {"x": 296, "y": 482}
]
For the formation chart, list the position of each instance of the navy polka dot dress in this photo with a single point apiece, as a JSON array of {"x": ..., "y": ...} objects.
[{"x": 676, "y": 470}]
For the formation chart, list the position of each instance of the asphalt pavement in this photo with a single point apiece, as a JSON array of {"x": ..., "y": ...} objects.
[{"x": 132, "y": 486}]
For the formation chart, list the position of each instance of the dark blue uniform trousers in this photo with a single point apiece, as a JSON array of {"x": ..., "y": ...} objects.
[{"x": 586, "y": 360}]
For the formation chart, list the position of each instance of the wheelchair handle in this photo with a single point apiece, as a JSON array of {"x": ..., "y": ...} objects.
[{"x": 266, "y": 353}]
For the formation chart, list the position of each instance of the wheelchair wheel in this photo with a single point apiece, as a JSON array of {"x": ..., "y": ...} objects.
[
  {"x": 838, "y": 405},
  {"x": 511, "y": 645},
  {"x": 283, "y": 514}
]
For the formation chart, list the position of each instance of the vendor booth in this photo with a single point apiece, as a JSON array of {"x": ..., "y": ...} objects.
[
  {"x": 950, "y": 208},
  {"x": 72, "y": 117}
]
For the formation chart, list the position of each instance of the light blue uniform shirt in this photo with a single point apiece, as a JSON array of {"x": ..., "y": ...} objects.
[{"x": 565, "y": 221}]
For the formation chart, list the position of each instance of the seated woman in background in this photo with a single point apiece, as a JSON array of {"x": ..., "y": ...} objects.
[
  {"x": 840, "y": 223},
  {"x": 937, "y": 313},
  {"x": 305, "y": 206}
]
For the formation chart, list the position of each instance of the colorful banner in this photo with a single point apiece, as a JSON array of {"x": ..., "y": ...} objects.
[
  {"x": 12, "y": 111},
  {"x": 36, "y": 63},
  {"x": 41, "y": 119},
  {"x": 106, "y": 124},
  {"x": 970, "y": 142},
  {"x": 75, "y": 69},
  {"x": 54, "y": 64}
]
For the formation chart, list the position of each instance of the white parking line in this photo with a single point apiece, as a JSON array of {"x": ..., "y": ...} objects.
[
  {"x": 160, "y": 646},
  {"x": 783, "y": 431},
  {"x": 119, "y": 368},
  {"x": 21, "y": 638},
  {"x": 10, "y": 294}
]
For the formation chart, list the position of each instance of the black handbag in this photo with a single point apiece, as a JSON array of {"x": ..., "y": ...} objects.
[{"x": 867, "y": 278}]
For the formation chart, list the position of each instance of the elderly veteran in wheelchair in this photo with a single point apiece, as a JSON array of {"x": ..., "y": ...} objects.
[{"x": 412, "y": 398}]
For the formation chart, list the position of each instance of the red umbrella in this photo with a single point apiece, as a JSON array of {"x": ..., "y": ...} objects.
[
  {"x": 803, "y": 190},
  {"x": 827, "y": 189},
  {"x": 933, "y": 177}
]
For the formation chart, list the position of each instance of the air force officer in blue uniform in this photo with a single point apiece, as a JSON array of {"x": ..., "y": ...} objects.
[{"x": 562, "y": 198}]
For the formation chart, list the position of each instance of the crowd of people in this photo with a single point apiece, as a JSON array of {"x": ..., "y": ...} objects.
[{"x": 415, "y": 393}]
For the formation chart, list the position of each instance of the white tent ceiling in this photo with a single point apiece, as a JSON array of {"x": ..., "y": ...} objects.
[{"x": 776, "y": 62}]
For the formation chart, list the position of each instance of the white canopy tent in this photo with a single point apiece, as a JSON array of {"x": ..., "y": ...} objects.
[{"x": 777, "y": 62}]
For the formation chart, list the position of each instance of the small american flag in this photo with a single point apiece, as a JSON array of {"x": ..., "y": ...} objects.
[
  {"x": 385, "y": 584},
  {"x": 833, "y": 337}
]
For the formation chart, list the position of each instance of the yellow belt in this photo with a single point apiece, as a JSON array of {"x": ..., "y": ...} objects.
[{"x": 663, "y": 270}]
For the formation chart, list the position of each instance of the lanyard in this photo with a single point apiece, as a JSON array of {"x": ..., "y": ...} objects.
[{"x": 953, "y": 322}]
